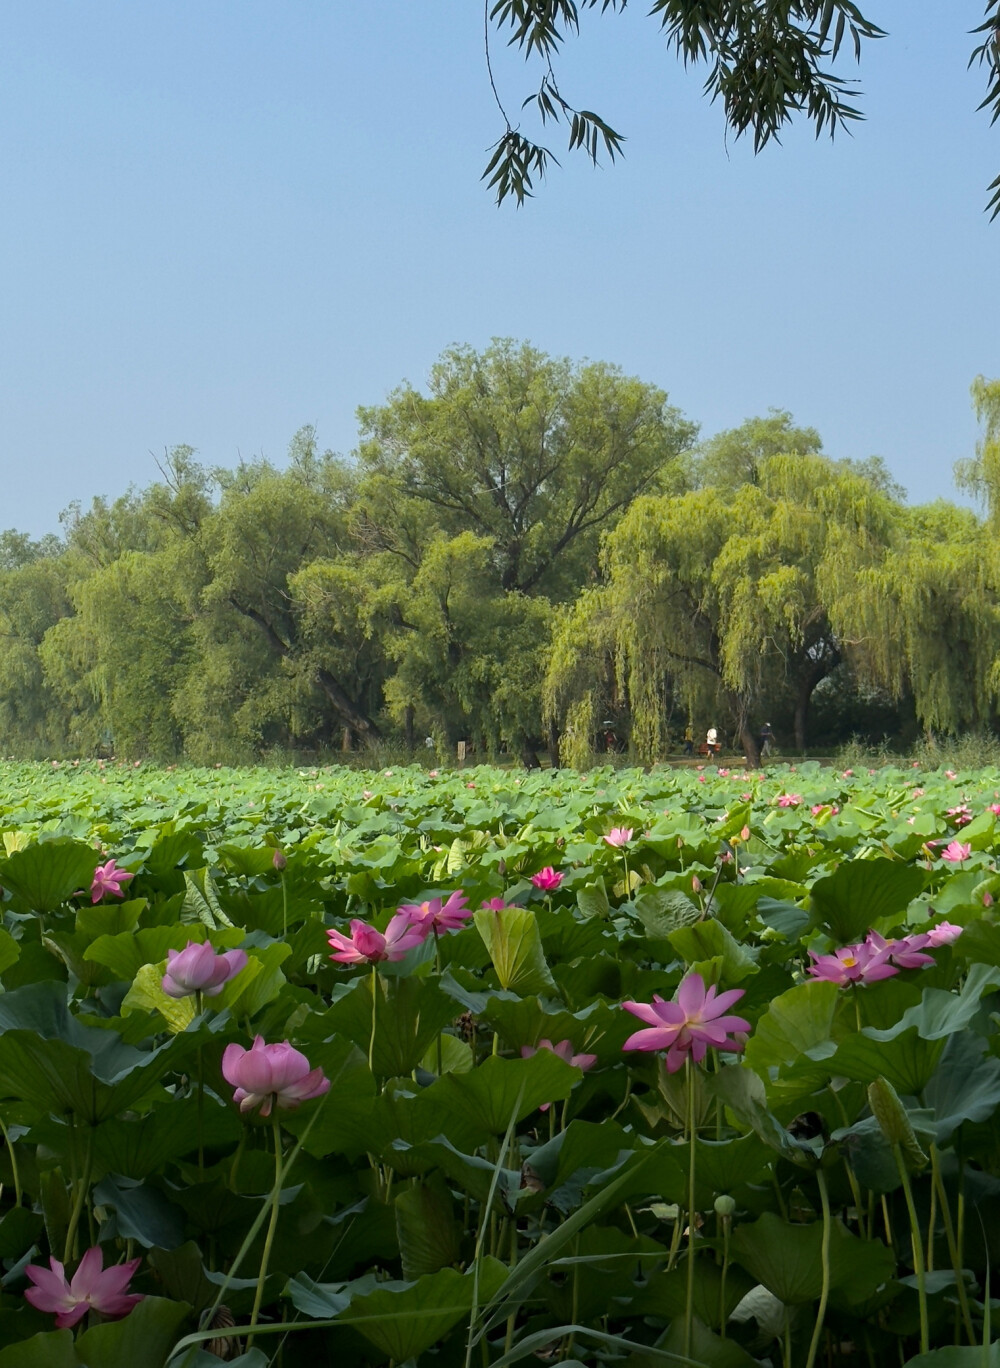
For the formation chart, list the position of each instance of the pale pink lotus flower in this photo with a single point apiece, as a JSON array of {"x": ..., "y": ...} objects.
[
  {"x": 366, "y": 794},
  {"x": 92, "y": 1286},
  {"x": 365, "y": 945},
  {"x": 432, "y": 774},
  {"x": 565, "y": 1051},
  {"x": 789, "y": 800},
  {"x": 847, "y": 774},
  {"x": 961, "y": 814},
  {"x": 435, "y": 916},
  {"x": 950, "y": 774},
  {"x": 108, "y": 878},
  {"x": 987, "y": 898},
  {"x": 494, "y": 905},
  {"x": 955, "y": 852},
  {"x": 696, "y": 884},
  {"x": 994, "y": 808},
  {"x": 267, "y": 1076},
  {"x": 906, "y": 952},
  {"x": 722, "y": 773},
  {"x": 945, "y": 932},
  {"x": 817, "y": 808},
  {"x": 745, "y": 833},
  {"x": 198, "y": 969},
  {"x": 547, "y": 879},
  {"x": 618, "y": 837},
  {"x": 918, "y": 793},
  {"x": 688, "y": 1025},
  {"x": 852, "y": 964}
]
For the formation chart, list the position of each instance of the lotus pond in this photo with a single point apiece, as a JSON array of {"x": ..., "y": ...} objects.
[{"x": 330, "y": 1067}]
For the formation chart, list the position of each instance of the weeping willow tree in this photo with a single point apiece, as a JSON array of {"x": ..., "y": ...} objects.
[
  {"x": 719, "y": 599},
  {"x": 925, "y": 621}
]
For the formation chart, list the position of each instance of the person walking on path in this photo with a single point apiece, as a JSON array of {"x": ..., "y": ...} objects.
[{"x": 689, "y": 739}]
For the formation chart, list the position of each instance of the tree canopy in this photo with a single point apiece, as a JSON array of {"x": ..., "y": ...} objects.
[{"x": 766, "y": 62}]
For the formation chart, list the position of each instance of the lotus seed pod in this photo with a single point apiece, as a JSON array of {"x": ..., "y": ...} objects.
[{"x": 724, "y": 1206}]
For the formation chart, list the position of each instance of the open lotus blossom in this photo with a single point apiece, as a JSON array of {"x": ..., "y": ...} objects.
[
  {"x": 789, "y": 800},
  {"x": 994, "y": 808},
  {"x": 108, "y": 878},
  {"x": 547, "y": 879},
  {"x": 267, "y": 1076},
  {"x": 618, "y": 837},
  {"x": 906, "y": 952},
  {"x": 198, "y": 969},
  {"x": 956, "y": 851},
  {"x": 960, "y": 815},
  {"x": 852, "y": 964},
  {"x": 437, "y": 916},
  {"x": 943, "y": 933},
  {"x": 950, "y": 774},
  {"x": 688, "y": 1026},
  {"x": 365, "y": 945},
  {"x": 494, "y": 905},
  {"x": 92, "y": 1286}
]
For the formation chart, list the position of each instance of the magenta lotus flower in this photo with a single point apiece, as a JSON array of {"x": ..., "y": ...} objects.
[
  {"x": 689, "y": 1025},
  {"x": 494, "y": 905},
  {"x": 198, "y": 969},
  {"x": 905, "y": 953},
  {"x": 994, "y": 808},
  {"x": 267, "y": 1076},
  {"x": 943, "y": 933},
  {"x": 789, "y": 800},
  {"x": 852, "y": 964},
  {"x": 955, "y": 852},
  {"x": 565, "y": 1051},
  {"x": 437, "y": 916},
  {"x": 92, "y": 1285},
  {"x": 618, "y": 837},
  {"x": 547, "y": 879},
  {"x": 108, "y": 878},
  {"x": 365, "y": 945}
]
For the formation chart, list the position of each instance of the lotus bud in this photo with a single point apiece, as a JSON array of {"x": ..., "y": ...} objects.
[
  {"x": 279, "y": 861},
  {"x": 724, "y": 1206}
]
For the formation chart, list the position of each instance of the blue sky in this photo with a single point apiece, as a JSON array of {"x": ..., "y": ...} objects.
[{"x": 223, "y": 221}]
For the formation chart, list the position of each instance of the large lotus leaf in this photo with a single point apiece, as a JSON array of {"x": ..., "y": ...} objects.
[
  {"x": 51, "y": 1349},
  {"x": 170, "y": 845},
  {"x": 863, "y": 892},
  {"x": 665, "y": 1294},
  {"x": 744, "y": 1093},
  {"x": 787, "y": 1259},
  {"x": 515, "y": 945},
  {"x": 487, "y": 1098},
  {"x": 142, "y": 1213},
  {"x": 586, "y": 1147},
  {"x": 403, "y": 1319},
  {"x": 146, "y": 1336},
  {"x": 708, "y": 940},
  {"x": 939, "y": 1014},
  {"x": 147, "y": 995},
  {"x": 201, "y": 1358},
  {"x": 258, "y": 982},
  {"x": 958, "y": 1356},
  {"x": 410, "y": 1013},
  {"x": 795, "y": 1022},
  {"x": 138, "y": 1146},
  {"x": 46, "y": 874},
  {"x": 429, "y": 1235},
  {"x": 707, "y": 1348},
  {"x": 49, "y": 1058},
  {"x": 344, "y": 1126},
  {"x": 470, "y": 1172},
  {"x": 125, "y": 953},
  {"x": 905, "y": 1059},
  {"x": 600, "y": 1028},
  {"x": 109, "y": 919},
  {"x": 965, "y": 1086},
  {"x": 980, "y": 942},
  {"x": 9, "y": 950}
]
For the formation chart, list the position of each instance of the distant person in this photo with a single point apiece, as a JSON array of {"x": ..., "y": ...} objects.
[
  {"x": 712, "y": 741},
  {"x": 766, "y": 740},
  {"x": 689, "y": 740}
]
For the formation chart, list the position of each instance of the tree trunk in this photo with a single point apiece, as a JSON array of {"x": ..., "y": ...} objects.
[
  {"x": 345, "y": 739},
  {"x": 554, "y": 757},
  {"x": 750, "y": 747},
  {"x": 528, "y": 757},
  {"x": 408, "y": 727},
  {"x": 801, "y": 718}
]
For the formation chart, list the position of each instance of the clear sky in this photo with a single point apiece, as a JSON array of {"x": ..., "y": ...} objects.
[{"x": 222, "y": 221}]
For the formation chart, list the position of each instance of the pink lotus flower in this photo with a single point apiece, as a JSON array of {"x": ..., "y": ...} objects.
[
  {"x": 696, "y": 884},
  {"x": 847, "y": 774},
  {"x": 961, "y": 814},
  {"x": 944, "y": 932},
  {"x": 746, "y": 797},
  {"x": 950, "y": 774},
  {"x": 108, "y": 878},
  {"x": 92, "y": 1285},
  {"x": 852, "y": 964},
  {"x": 436, "y": 916},
  {"x": 955, "y": 852},
  {"x": 817, "y": 808},
  {"x": 987, "y": 898},
  {"x": 904, "y": 953},
  {"x": 745, "y": 833},
  {"x": 494, "y": 905},
  {"x": 198, "y": 969},
  {"x": 994, "y": 808},
  {"x": 618, "y": 837},
  {"x": 689, "y": 1025},
  {"x": 565, "y": 1051},
  {"x": 789, "y": 800},
  {"x": 266, "y": 1076},
  {"x": 702, "y": 779},
  {"x": 722, "y": 773},
  {"x": 547, "y": 879},
  {"x": 365, "y": 945},
  {"x": 918, "y": 793}
]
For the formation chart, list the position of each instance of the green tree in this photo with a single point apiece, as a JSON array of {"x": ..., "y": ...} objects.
[
  {"x": 33, "y": 599},
  {"x": 534, "y": 453}
]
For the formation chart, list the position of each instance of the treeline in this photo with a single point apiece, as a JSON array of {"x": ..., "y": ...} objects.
[{"x": 530, "y": 554}]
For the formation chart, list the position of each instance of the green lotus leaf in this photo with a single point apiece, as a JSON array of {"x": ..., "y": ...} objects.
[{"x": 861, "y": 893}]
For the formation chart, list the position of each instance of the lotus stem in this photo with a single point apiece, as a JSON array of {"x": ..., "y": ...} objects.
[
  {"x": 272, "y": 1226},
  {"x": 83, "y": 1188},
  {"x": 824, "y": 1295},
  {"x": 371, "y": 1043},
  {"x": 917, "y": 1244},
  {"x": 689, "y": 1295},
  {"x": 949, "y": 1233},
  {"x": 13, "y": 1163}
]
